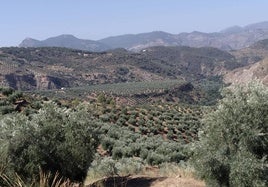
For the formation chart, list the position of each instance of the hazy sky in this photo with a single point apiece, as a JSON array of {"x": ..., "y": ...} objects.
[{"x": 96, "y": 19}]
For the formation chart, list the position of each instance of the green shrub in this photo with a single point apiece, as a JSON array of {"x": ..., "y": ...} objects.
[
  {"x": 129, "y": 166},
  {"x": 6, "y": 109},
  {"x": 121, "y": 121},
  {"x": 105, "y": 117},
  {"x": 144, "y": 153},
  {"x": 3, "y": 103},
  {"x": 106, "y": 167},
  {"x": 141, "y": 122},
  {"x": 14, "y": 96},
  {"x": 103, "y": 168},
  {"x": 155, "y": 159},
  {"x": 6, "y": 91},
  {"x": 117, "y": 153},
  {"x": 170, "y": 135},
  {"x": 107, "y": 144},
  {"x": 132, "y": 121}
]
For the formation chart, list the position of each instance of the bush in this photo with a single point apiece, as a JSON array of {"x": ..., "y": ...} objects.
[
  {"x": 117, "y": 153},
  {"x": 6, "y": 91},
  {"x": 107, "y": 166},
  {"x": 103, "y": 168},
  {"x": 14, "y": 96},
  {"x": 6, "y": 109},
  {"x": 132, "y": 121},
  {"x": 155, "y": 159},
  {"x": 144, "y": 153},
  {"x": 233, "y": 146},
  {"x": 129, "y": 166},
  {"x": 53, "y": 140},
  {"x": 107, "y": 144}
]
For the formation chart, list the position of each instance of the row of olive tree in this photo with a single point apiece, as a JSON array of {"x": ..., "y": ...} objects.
[{"x": 232, "y": 150}]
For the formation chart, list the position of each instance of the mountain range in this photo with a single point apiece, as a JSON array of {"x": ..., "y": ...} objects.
[{"x": 231, "y": 38}]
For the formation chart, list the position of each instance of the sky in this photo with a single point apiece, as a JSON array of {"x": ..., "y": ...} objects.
[{"x": 97, "y": 19}]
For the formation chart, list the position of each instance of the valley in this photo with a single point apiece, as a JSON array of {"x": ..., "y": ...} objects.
[{"x": 122, "y": 113}]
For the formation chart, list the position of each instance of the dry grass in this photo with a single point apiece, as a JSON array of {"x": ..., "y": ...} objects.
[
  {"x": 45, "y": 180},
  {"x": 176, "y": 176}
]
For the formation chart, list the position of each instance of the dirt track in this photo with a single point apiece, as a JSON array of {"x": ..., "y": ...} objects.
[
  {"x": 143, "y": 181},
  {"x": 178, "y": 182}
]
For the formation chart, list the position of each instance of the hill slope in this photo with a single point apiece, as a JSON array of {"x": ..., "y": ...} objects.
[
  {"x": 49, "y": 68},
  {"x": 246, "y": 74},
  {"x": 255, "y": 59}
]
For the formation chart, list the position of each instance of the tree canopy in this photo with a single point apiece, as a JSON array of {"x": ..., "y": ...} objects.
[
  {"x": 233, "y": 145},
  {"x": 54, "y": 140}
]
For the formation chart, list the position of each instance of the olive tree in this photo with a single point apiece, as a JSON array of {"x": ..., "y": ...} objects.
[
  {"x": 233, "y": 145},
  {"x": 55, "y": 140}
]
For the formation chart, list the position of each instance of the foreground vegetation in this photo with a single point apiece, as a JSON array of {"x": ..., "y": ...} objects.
[
  {"x": 71, "y": 140},
  {"x": 233, "y": 145}
]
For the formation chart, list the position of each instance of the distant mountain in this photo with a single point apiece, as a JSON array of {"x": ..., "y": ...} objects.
[
  {"x": 136, "y": 42},
  {"x": 67, "y": 41},
  {"x": 233, "y": 29},
  {"x": 260, "y": 25},
  {"x": 30, "y": 42},
  {"x": 235, "y": 37}
]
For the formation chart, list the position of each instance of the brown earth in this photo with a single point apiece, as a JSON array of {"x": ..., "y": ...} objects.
[
  {"x": 178, "y": 182},
  {"x": 145, "y": 181}
]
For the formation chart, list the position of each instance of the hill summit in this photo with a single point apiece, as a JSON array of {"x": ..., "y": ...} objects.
[{"x": 67, "y": 41}]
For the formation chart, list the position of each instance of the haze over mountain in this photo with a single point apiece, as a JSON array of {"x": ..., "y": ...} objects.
[{"x": 231, "y": 38}]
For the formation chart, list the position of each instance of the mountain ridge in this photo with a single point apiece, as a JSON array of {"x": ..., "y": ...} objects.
[
  {"x": 231, "y": 38},
  {"x": 67, "y": 41}
]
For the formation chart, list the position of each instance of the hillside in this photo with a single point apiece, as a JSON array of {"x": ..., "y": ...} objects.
[
  {"x": 255, "y": 59},
  {"x": 246, "y": 74},
  {"x": 235, "y": 37},
  {"x": 54, "y": 68}
]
